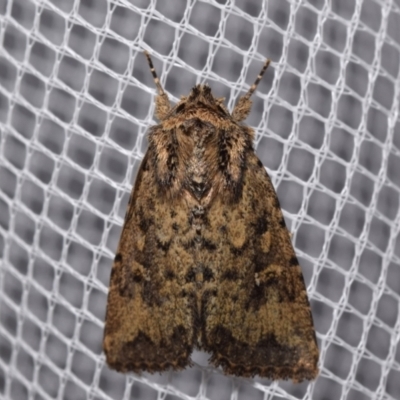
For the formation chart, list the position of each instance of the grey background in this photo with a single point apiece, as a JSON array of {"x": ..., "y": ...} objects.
[{"x": 76, "y": 99}]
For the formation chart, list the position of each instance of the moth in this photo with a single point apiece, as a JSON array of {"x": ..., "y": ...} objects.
[{"x": 205, "y": 259}]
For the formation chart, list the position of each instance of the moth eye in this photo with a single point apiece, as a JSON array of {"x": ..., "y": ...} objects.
[
  {"x": 180, "y": 108},
  {"x": 221, "y": 109}
]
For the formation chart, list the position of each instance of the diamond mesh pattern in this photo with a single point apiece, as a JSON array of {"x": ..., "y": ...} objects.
[{"x": 76, "y": 99}]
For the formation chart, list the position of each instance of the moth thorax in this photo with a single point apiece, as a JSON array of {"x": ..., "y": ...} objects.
[{"x": 197, "y": 176}]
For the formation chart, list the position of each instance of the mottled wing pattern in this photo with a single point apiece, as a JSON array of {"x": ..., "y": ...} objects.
[
  {"x": 255, "y": 314},
  {"x": 151, "y": 311},
  {"x": 205, "y": 259}
]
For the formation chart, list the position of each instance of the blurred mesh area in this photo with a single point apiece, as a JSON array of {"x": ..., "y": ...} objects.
[{"x": 76, "y": 100}]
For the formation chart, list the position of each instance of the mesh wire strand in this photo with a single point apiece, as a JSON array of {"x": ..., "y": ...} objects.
[{"x": 76, "y": 100}]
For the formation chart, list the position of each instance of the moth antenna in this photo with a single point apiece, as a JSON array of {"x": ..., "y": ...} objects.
[
  {"x": 163, "y": 105},
  {"x": 243, "y": 106},
  {"x": 258, "y": 79},
  {"x": 154, "y": 73}
]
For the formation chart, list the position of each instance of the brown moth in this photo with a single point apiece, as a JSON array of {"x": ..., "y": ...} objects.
[{"x": 205, "y": 259}]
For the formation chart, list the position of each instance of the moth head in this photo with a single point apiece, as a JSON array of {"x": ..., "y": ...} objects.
[{"x": 202, "y": 94}]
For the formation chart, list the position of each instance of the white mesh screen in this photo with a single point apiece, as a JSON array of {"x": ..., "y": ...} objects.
[{"x": 76, "y": 100}]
